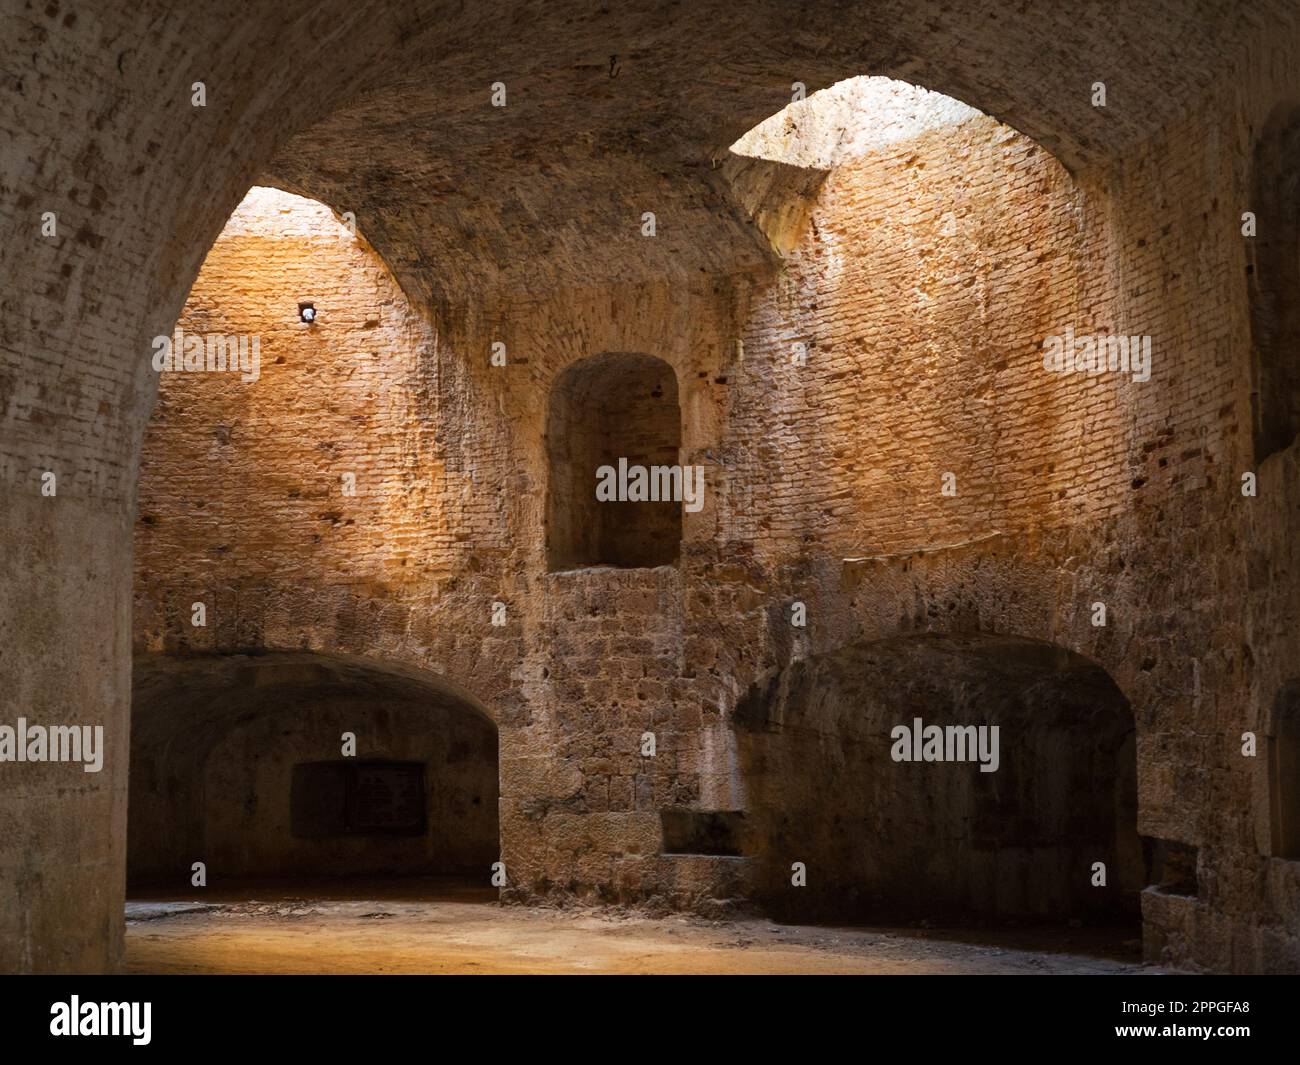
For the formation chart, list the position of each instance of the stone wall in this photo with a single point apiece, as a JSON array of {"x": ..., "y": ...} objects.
[{"x": 797, "y": 458}]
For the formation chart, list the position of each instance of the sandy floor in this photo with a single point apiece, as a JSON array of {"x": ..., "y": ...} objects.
[{"x": 450, "y": 930}]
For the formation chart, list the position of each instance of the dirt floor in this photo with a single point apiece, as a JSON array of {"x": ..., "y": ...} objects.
[{"x": 426, "y": 927}]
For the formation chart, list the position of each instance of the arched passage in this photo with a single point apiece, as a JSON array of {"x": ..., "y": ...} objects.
[
  {"x": 262, "y": 477},
  {"x": 296, "y": 764},
  {"x": 292, "y": 440},
  {"x": 878, "y": 767}
]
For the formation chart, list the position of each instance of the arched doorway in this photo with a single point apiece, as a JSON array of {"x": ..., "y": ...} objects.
[
  {"x": 968, "y": 778},
  {"x": 289, "y": 498},
  {"x": 298, "y": 765}
]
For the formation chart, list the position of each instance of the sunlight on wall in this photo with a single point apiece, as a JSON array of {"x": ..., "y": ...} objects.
[{"x": 851, "y": 119}]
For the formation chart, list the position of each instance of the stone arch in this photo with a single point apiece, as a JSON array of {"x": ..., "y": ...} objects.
[
  {"x": 244, "y": 512},
  {"x": 614, "y": 421},
  {"x": 884, "y": 835},
  {"x": 222, "y": 752},
  {"x": 258, "y": 477}
]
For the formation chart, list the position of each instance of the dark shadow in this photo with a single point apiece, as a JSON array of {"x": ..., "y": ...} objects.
[
  {"x": 834, "y": 784},
  {"x": 238, "y": 762},
  {"x": 1273, "y": 276}
]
